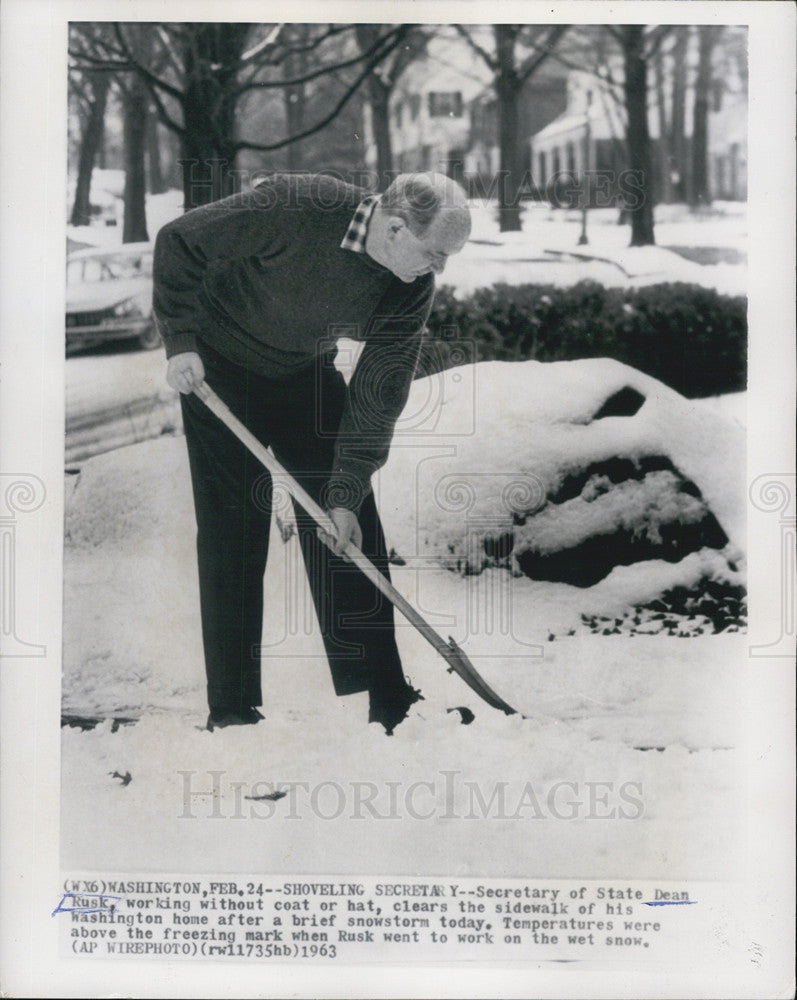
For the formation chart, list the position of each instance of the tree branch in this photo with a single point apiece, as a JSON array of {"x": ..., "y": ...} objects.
[
  {"x": 417, "y": 44},
  {"x": 547, "y": 46},
  {"x": 655, "y": 38},
  {"x": 349, "y": 93},
  {"x": 483, "y": 53},
  {"x": 262, "y": 45},
  {"x": 146, "y": 74},
  {"x": 97, "y": 64},
  {"x": 287, "y": 49},
  {"x": 169, "y": 49},
  {"x": 398, "y": 33}
]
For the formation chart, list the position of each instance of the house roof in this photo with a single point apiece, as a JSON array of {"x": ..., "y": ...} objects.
[
  {"x": 564, "y": 123},
  {"x": 600, "y": 122}
]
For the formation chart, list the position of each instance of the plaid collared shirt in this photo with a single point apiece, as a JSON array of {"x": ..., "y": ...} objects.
[{"x": 358, "y": 227}]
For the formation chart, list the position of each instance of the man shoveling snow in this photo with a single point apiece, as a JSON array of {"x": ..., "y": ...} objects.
[{"x": 252, "y": 292}]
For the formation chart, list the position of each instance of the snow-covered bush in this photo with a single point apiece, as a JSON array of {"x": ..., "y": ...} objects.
[
  {"x": 563, "y": 472},
  {"x": 691, "y": 338}
]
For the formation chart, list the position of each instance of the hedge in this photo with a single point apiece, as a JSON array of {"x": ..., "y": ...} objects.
[{"x": 689, "y": 337}]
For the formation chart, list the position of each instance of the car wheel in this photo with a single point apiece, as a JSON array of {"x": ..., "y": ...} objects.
[{"x": 150, "y": 338}]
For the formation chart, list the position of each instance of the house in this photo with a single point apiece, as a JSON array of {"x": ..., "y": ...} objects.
[
  {"x": 590, "y": 133},
  {"x": 429, "y": 120},
  {"x": 444, "y": 116},
  {"x": 727, "y": 130},
  {"x": 542, "y": 99}
]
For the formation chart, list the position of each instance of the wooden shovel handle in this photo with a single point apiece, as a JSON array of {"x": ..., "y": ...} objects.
[{"x": 319, "y": 515}]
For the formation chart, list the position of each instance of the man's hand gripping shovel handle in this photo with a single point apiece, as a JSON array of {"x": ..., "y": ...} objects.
[{"x": 459, "y": 663}]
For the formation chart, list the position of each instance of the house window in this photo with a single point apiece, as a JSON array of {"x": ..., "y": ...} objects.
[
  {"x": 399, "y": 114},
  {"x": 445, "y": 104},
  {"x": 415, "y": 105}
]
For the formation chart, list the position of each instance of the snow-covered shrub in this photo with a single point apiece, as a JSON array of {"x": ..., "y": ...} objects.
[
  {"x": 691, "y": 338},
  {"x": 562, "y": 472}
]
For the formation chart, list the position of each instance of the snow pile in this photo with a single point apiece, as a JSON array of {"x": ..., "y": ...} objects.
[
  {"x": 131, "y": 618},
  {"x": 124, "y": 401},
  {"x": 523, "y": 466}
]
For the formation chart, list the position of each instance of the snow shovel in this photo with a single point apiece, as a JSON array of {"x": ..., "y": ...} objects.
[{"x": 450, "y": 651}]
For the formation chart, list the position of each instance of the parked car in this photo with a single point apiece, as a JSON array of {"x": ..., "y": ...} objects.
[{"x": 109, "y": 297}]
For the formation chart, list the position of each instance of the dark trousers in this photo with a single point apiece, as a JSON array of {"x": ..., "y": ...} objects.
[{"x": 297, "y": 416}]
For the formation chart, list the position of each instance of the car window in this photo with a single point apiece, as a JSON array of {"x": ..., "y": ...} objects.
[
  {"x": 110, "y": 267},
  {"x": 127, "y": 266},
  {"x": 92, "y": 269}
]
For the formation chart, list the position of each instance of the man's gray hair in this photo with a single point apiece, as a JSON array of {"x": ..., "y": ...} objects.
[{"x": 417, "y": 199}]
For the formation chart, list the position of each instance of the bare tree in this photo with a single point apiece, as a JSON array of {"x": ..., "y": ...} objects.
[
  {"x": 707, "y": 36},
  {"x": 510, "y": 72},
  {"x": 382, "y": 81},
  {"x": 136, "y": 108},
  {"x": 295, "y": 94},
  {"x": 639, "y": 44},
  {"x": 665, "y": 130},
  {"x": 91, "y": 90},
  {"x": 678, "y": 141},
  {"x": 211, "y": 66},
  {"x": 156, "y": 179}
]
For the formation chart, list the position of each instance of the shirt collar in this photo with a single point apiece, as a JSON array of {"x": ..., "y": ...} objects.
[{"x": 358, "y": 227}]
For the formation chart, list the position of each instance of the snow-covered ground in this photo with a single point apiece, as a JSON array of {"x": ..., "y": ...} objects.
[
  {"x": 657, "y": 719},
  {"x": 711, "y": 249},
  {"x": 547, "y": 250},
  {"x": 116, "y": 397}
]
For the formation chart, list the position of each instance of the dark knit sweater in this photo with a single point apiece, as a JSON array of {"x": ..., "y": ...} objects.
[{"x": 261, "y": 277}]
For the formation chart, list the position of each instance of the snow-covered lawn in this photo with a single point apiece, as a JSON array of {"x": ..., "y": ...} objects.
[
  {"x": 547, "y": 250},
  {"x": 658, "y": 718}
]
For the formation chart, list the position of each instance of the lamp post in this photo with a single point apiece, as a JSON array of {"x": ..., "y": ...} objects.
[{"x": 582, "y": 240}]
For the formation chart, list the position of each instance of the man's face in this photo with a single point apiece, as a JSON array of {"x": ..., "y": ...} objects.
[{"x": 410, "y": 256}]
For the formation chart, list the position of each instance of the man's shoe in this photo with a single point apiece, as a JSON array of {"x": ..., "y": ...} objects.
[
  {"x": 220, "y": 719},
  {"x": 391, "y": 712}
]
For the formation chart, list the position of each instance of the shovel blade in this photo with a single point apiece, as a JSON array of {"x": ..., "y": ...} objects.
[{"x": 461, "y": 665}]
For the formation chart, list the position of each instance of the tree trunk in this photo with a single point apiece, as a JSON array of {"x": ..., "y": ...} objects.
[
  {"x": 136, "y": 104},
  {"x": 701, "y": 191},
  {"x": 678, "y": 143},
  {"x": 508, "y": 89},
  {"x": 90, "y": 143},
  {"x": 380, "y": 124},
  {"x": 639, "y": 187},
  {"x": 206, "y": 163},
  {"x": 665, "y": 151},
  {"x": 208, "y": 141},
  {"x": 379, "y": 102},
  {"x": 295, "y": 96},
  {"x": 155, "y": 173}
]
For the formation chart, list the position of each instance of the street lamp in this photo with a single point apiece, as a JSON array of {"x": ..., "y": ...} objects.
[{"x": 582, "y": 240}]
